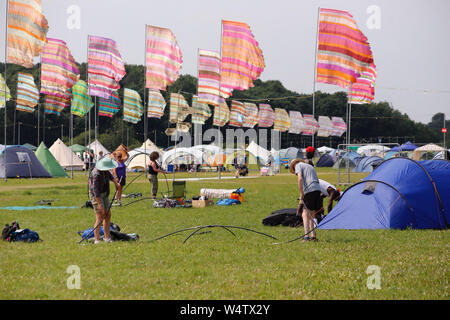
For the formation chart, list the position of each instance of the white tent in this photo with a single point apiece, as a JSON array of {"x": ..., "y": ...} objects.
[
  {"x": 371, "y": 149},
  {"x": 139, "y": 158},
  {"x": 325, "y": 149},
  {"x": 259, "y": 152},
  {"x": 66, "y": 158},
  {"x": 96, "y": 146},
  {"x": 431, "y": 147},
  {"x": 182, "y": 156}
]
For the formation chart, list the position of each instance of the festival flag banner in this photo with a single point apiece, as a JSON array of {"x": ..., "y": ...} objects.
[
  {"x": 343, "y": 51},
  {"x": 59, "y": 71},
  {"x": 109, "y": 107},
  {"x": 297, "y": 123},
  {"x": 179, "y": 108},
  {"x": 266, "y": 116},
  {"x": 156, "y": 104},
  {"x": 81, "y": 101},
  {"x": 237, "y": 114},
  {"x": 242, "y": 59},
  {"x": 325, "y": 127},
  {"x": 56, "y": 104},
  {"x": 163, "y": 58},
  {"x": 282, "y": 121},
  {"x": 363, "y": 90},
  {"x": 208, "y": 87},
  {"x": 105, "y": 67},
  {"x": 251, "y": 119},
  {"x": 27, "y": 93},
  {"x": 27, "y": 31},
  {"x": 4, "y": 88},
  {"x": 201, "y": 111},
  {"x": 221, "y": 114},
  {"x": 339, "y": 126},
  {"x": 132, "y": 106},
  {"x": 311, "y": 126}
]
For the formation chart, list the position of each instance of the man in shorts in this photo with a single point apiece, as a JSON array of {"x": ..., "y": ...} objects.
[
  {"x": 329, "y": 191},
  {"x": 99, "y": 193},
  {"x": 311, "y": 201}
]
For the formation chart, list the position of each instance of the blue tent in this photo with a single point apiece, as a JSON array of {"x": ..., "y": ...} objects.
[
  {"x": 367, "y": 164},
  {"x": 325, "y": 160},
  {"x": 342, "y": 160},
  {"x": 400, "y": 193},
  {"x": 21, "y": 162},
  {"x": 407, "y": 146}
]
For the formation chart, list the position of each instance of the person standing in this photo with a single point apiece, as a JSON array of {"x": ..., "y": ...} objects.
[
  {"x": 153, "y": 169},
  {"x": 310, "y": 198},
  {"x": 310, "y": 152},
  {"x": 99, "y": 195},
  {"x": 119, "y": 173}
]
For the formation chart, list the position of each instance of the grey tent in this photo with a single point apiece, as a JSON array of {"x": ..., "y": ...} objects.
[{"x": 21, "y": 162}]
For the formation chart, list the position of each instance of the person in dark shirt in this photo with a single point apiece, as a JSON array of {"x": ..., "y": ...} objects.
[
  {"x": 99, "y": 195},
  {"x": 153, "y": 169},
  {"x": 310, "y": 151}
]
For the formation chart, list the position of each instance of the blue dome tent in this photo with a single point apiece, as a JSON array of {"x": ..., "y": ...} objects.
[
  {"x": 407, "y": 146},
  {"x": 21, "y": 162},
  {"x": 367, "y": 164},
  {"x": 325, "y": 160},
  {"x": 401, "y": 193}
]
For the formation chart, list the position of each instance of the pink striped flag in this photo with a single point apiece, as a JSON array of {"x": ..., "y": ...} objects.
[
  {"x": 208, "y": 87},
  {"x": 339, "y": 126},
  {"x": 266, "y": 116},
  {"x": 363, "y": 90},
  {"x": 297, "y": 124},
  {"x": 237, "y": 113},
  {"x": 311, "y": 126}
]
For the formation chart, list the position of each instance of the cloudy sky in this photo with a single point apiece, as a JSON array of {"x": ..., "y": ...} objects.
[{"x": 409, "y": 39}]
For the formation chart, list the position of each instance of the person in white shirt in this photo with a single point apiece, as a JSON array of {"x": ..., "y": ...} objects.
[{"x": 329, "y": 191}]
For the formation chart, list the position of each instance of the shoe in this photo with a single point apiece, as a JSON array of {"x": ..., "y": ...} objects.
[
  {"x": 313, "y": 239},
  {"x": 97, "y": 241},
  {"x": 107, "y": 240},
  {"x": 306, "y": 239}
]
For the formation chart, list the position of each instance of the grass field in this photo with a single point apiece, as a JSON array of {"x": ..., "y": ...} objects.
[{"x": 211, "y": 265}]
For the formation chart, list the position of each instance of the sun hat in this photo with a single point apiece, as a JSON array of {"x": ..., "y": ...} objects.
[
  {"x": 310, "y": 149},
  {"x": 106, "y": 163}
]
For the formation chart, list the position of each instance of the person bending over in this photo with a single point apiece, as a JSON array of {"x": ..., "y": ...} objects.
[{"x": 329, "y": 191}]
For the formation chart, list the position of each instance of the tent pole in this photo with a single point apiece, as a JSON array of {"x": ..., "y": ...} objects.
[{"x": 315, "y": 71}]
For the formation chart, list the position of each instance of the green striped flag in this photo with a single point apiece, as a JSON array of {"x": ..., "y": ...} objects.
[
  {"x": 81, "y": 101},
  {"x": 132, "y": 106}
]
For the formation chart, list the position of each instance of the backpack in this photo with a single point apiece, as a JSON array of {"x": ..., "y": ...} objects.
[
  {"x": 25, "y": 235},
  {"x": 285, "y": 217},
  {"x": 89, "y": 233},
  {"x": 8, "y": 230}
]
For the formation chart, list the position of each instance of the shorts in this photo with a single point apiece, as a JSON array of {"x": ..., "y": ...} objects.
[
  {"x": 123, "y": 181},
  {"x": 105, "y": 204},
  {"x": 313, "y": 201}
]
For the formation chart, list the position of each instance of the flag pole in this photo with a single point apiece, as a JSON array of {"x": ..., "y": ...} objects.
[
  {"x": 89, "y": 99},
  {"x": 6, "y": 59},
  {"x": 145, "y": 105},
  {"x": 218, "y": 121},
  {"x": 315, "y": 70}
]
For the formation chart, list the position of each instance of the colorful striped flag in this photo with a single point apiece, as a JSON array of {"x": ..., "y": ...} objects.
[
  {"x": 208, "y": 87},
  {"x": 59, "y": 71},
  {"x": 339, "y": 126},
  {"x": 325, "y": 127},
  {"x": 27, "y": 93},
  {"x": 156, "y": 104},
  {"x": 363, "y": 90},
  {"x": 343, "y": 51},
  {"x": 105, "y": 67},
  {"x": 242, "y": 59},
  {"x": 163, "y": 58},
  {"x": 266, "y": 116},
  {"x": 297, "y": 123},
  {"x": 109, "y": 107},
  {"x": 221, "y": 114},
  {"x": 27, "y": 31},
  {"x": 55, "y": 105},
  {"x": 237, "y": 114},
  {"x": 310, "y": 125},
  {"x": 251, "y": 119},
  {"x": 81, "y": 101},
  {"x": 132, "y": 106},
  {"x": 3, "y": 88},
  {"x": 282, "y": 121},
  {"x": 179, "y": 108},
  {"x": 201, "y": 111}
]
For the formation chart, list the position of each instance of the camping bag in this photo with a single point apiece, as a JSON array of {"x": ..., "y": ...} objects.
[
  {"x": 285, "y": 217},
  {"x": 8, "y": 230},
  {"x": 89, "y": 233},
  {"x": 119, "y": 236},
  {"x": 24, "y": 235}
]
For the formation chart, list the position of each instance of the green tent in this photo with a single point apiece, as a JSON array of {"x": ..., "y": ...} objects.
[
  {"x": 76, "y": 148},
  {"x": 49, "y": 162}
]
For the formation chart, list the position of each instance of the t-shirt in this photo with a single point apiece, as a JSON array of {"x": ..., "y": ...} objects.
[
  {"x": 309, "y": 177},
  {"x": 99, "y": 182},
  {"x": 324, "y": 186}
]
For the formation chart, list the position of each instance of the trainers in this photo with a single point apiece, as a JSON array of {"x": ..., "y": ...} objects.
[
  {"x": 97, "y": 241},
  {"x": 107, "y": 240}
]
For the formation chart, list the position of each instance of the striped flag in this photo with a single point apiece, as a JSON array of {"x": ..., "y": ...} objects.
[
  {"x": 251, "y": 119},
  {"x": 325, "y": 127},
  {"x": 59, "y": 71},
  {"x": 297, "y": 123},
  {"x": 109, "y": 107},
  {"x": 105, "y": 67},
  {"x": 266, "y": 116},
  {"x": 3, "y": 88},
  {"x": 282, "y": 121},
  {"x": 201, "y": 111},
  {"x": 237, "y": 113},
  {"x": 310, "y": 125},
  {"x": 55, "y": 105},
  {"x": 163, "y": 58},
  {"x": 363, "y": 90},
  {"x": 343, "y": 52},
  {"x": 27, "y": 31},
  {"x": 132, "y": 106},
  {"x": 179, "y": 108},
  {"x": 221, "y": 114},
  {"x": 156, "y": 104},
  {"x": 208, "y": 87},
  {"x": 242, "y": 59},
  {"x": 81, "y": 101},
  {"x": 339, "y": 126},
  {"x": 27, "y": 93}
]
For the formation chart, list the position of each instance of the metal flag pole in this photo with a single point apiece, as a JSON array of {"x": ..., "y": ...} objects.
[
  {"x": 219, "y": 165},
  {"x": 14, "y": 125},
  {"x": 39, "y": 98},
  {"x": 445, "y": 146},
  {"x": 6, "y": 58},
  {"x": 145, "y": 105},
  {"x": 315, "y": 71}
]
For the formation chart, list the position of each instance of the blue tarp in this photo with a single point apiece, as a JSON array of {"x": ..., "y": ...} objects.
[{"x": 401, "y": 193}]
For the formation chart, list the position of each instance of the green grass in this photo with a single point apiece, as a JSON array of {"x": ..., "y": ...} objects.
[{"x": 214, "y": 264}]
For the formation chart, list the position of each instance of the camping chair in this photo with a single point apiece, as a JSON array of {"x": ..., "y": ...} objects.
[{"x": 178, "y": 190}]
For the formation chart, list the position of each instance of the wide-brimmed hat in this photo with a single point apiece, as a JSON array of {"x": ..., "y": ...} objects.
[{"x": 106, "y": 163}]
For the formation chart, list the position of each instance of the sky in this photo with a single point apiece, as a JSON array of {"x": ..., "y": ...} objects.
[{"x": 409, "y": 39}]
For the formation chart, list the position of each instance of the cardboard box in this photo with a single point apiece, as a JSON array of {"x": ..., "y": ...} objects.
[{"x": 201, "y": 203}]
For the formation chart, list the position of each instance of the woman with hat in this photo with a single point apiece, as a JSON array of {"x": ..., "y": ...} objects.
[{"x": 99, "y": 193}]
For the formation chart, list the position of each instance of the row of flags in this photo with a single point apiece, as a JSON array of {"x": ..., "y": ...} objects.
[{"x": 344, "y": 58}]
